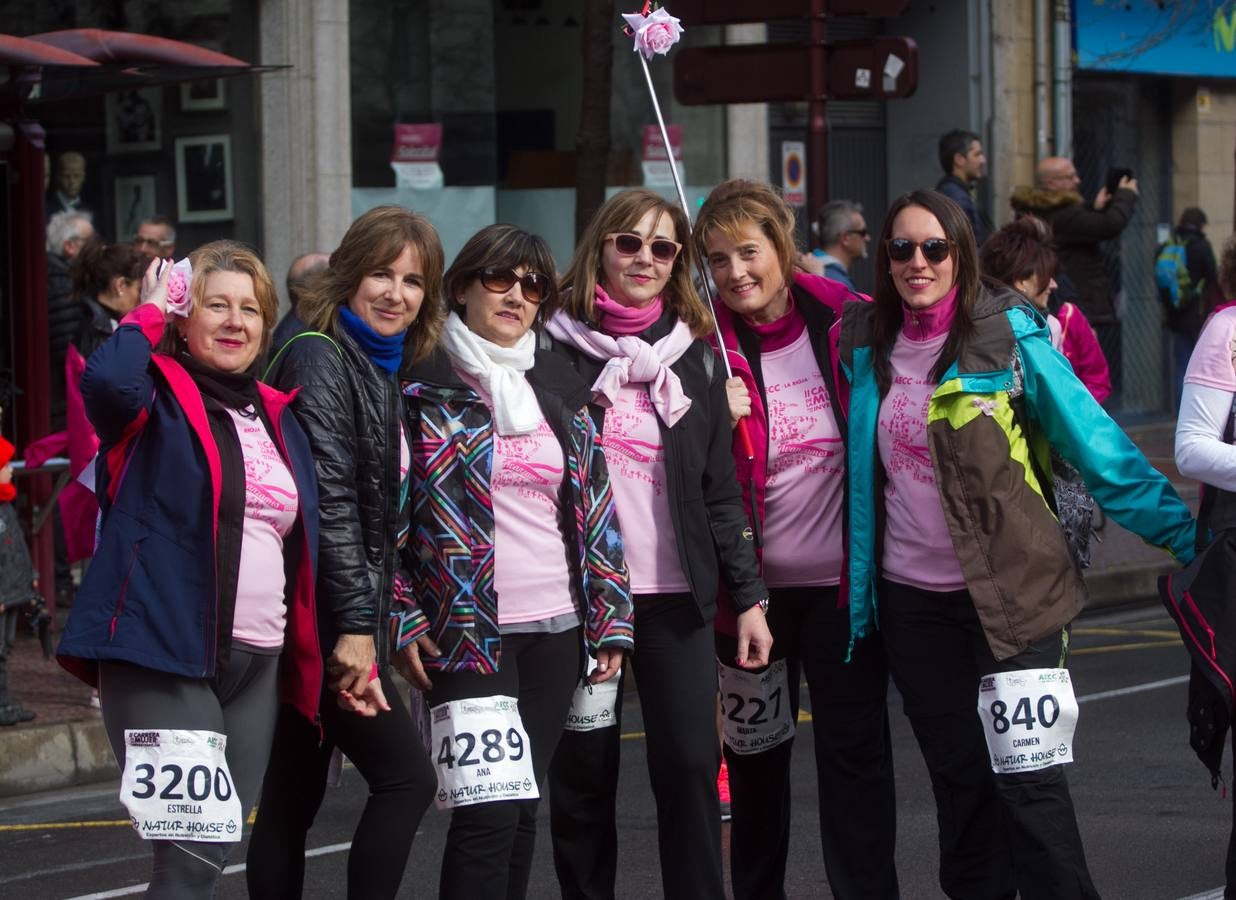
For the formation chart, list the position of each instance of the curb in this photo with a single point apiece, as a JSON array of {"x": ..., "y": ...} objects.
[{"x": 46, "y": 757}]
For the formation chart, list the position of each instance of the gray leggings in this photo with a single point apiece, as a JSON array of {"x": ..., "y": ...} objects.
[{"x": 240, "y": 702}]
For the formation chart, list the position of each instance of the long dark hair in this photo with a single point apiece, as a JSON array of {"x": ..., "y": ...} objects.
[{"x": 888, "y": 302}]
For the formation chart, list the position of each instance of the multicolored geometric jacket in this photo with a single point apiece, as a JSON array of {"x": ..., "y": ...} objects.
[
  {"x": 1002, "y": 406},
  {"x": 450, "y": 553}
]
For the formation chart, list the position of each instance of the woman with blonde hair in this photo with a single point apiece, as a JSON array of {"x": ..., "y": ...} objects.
[
  {"x": 631, "y": 324},
  {"x": 196, "y": 616},
  {"x": 377, "y": 307},
  {"x": 780, "y": 329}
]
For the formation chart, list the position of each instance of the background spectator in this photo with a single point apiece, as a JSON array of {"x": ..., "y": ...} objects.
[
  {"x": 964, "y": 163},
  {"x": 843, "y": 239},
  {"x": 156, "y": 236}
]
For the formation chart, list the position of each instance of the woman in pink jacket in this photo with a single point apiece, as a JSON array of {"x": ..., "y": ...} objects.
[{"x": 780, "y": 328}]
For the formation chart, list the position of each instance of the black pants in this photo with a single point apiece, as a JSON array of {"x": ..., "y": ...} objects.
[
  {"x": 853, "y": 757},
  {"x": 489, "y": 845},
  {"x": 999, "y": 834},
  {"x": 389, "y": 754},
  {"x": 676, "y": 674}
]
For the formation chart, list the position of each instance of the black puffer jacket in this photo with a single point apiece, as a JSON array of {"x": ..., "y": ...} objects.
[
  {"x": 1077, "y": 229},
  {"x": 352, "y": 413},
  {"x": 715, "y": 540}
]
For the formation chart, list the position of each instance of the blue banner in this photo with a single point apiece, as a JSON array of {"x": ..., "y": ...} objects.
[{"x": 1184, "y": 37}]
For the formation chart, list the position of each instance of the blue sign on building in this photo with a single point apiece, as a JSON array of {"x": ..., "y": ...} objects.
[{"x": 1177, "y": 37}]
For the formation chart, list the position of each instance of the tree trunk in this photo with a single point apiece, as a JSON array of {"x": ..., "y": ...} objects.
[{"x": 592, "y": 140}]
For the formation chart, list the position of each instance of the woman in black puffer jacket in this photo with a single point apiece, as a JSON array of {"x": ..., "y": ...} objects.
[{"x": 379, "y": 301}]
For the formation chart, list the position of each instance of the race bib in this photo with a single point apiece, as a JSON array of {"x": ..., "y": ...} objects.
[
  {"x": 481, "y": 752},
  {"x": 1028, "y": 718},
  {"x": 755, "y": 708},
  {"x": 594, "y": 706},
  {"x": 176, "y": 785}
]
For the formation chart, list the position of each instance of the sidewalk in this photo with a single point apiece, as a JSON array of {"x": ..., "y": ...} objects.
[{"x": 66, "y": 744}]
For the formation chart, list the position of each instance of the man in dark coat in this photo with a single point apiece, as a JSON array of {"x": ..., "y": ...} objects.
[
  {"x": 67, "y": 233},
  {"x": 964, "y": 164},
  {"x": 1184, "y": 323}
]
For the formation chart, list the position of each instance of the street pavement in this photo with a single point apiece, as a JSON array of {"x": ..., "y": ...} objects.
[{"x": 1152, "y": 825}]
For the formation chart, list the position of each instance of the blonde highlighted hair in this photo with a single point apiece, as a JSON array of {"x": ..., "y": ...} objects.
[
  {"x": 228, "y": 256},
  {"x": 621, "y": 213},
  {"x": 375, "y": 239},
  {"x": 737, "y": 203}
]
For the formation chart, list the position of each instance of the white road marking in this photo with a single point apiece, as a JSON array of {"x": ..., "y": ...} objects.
[{"x": 1134, "y": 689}]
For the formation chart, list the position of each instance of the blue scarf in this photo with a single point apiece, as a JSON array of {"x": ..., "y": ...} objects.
[{"x": 385, "y": 352}]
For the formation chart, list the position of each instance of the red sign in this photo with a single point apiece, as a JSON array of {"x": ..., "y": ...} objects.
[
  {"x": 869, "y": 69},
  {"x": 417, "y": 143},
  {"x": 654, "y": 147}
]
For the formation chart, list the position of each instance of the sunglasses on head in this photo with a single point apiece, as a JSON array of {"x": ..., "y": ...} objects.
[
  {"x": 534, "y": 285},
  {"x": 935, "y": 250},
  {"x": 629, "y": 244}
]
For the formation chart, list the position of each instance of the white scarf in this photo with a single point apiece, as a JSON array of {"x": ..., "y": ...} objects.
[{"x": 500, "y": 371}]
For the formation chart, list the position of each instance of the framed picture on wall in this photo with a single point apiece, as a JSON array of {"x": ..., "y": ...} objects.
[
  {"x": 200, "y": 96},
  {"x": 134, "y": 120},
  {"x": 135, "y": 201},
  {"x": 204, "y": 178}
]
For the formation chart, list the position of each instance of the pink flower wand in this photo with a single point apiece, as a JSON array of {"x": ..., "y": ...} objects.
[
  {"x": 654, "y": 32},
  {"x": 178, "y": 297}
]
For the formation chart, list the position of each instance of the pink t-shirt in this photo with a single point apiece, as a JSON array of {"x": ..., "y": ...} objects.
[
  {"x": 1211, "y": 364},
  {"x": 270, "y": 512},
  {"x": 636, "y": 460},
  {"x": 806, "y": 466},
  {"x": 531, "y": 576},
  {"x": 917, "y": 547}
]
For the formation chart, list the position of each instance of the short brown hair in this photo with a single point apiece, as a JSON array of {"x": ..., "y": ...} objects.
[
  {"x": 376, "y": 238},
  {"x": 504, "y": 247},
  {"x": 1021, "y": 249},
  {"x": 738, "y": 202},
  {"x": 622, "y": 212},
  {"x": 229, "y": 256}
]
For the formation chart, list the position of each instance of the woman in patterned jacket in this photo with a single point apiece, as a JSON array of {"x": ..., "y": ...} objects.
[{"x": 515, "y": 557}]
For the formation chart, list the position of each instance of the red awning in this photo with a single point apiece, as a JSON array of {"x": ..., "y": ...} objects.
[
  {"x": 134, "y": 49},
  {"x": 18, "y": 51}
]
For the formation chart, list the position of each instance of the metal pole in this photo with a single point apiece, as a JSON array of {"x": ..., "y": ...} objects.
[{"x": 817, "y": 115}]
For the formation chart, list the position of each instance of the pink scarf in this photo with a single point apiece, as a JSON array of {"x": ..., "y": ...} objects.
[
  {"x": 615, "y": 318},
  {"x": 781, "y": 332},
  {"x": 630, "y": 359}
]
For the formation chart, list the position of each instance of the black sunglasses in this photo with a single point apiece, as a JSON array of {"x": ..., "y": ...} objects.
[
  {"x": 935, "y": 250},
  {"x": 629, "y": 244},
  {"x": 861, "y": 232},
  {"x": 535, "y": 285}
]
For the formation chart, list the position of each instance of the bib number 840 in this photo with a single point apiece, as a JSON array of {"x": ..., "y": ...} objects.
[
  {"x": 493, "y": 748},
  {"x": 1048, "y": 709}
]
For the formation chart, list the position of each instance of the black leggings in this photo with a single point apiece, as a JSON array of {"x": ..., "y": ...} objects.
[
  {"x": 389, "y": 754},
  {"x": 1000, "y": 835},
  {"x": 675, "y": 669},
  {"x": 489, "y": 845}
]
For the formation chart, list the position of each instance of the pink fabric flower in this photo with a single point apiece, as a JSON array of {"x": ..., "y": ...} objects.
[
  {"x": 653, "y": 33},
  {"x": 178, "y": 298}
]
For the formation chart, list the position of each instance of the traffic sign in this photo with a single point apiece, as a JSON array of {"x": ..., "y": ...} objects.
[
  {"x": 867, "y": 69},
  {"x": 794, "y": 173},
  {"x": 734, "y": 12}
]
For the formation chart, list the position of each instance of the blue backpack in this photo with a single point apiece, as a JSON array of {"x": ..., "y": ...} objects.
[{"x": 1171, "y": 273}]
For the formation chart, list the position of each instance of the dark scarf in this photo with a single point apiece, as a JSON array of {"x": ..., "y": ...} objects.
[
  {"x": 223, "y": 391},
  {"x": 384, "y": 352}
]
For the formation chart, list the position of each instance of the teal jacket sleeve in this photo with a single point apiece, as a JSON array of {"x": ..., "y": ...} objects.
[{"x": 1122, "y": 481}]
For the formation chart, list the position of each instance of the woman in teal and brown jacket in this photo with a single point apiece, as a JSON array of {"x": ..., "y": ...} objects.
[{"x": 957, "y": 404}]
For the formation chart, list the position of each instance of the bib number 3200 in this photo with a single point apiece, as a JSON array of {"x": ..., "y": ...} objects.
[
  {"x": 481, "y": 752},
  {"x": 176, "y": 785},
  {"x": 1028, "y": 718}
]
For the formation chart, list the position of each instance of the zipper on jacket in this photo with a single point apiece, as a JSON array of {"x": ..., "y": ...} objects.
[{"x": 124, "y": 590}]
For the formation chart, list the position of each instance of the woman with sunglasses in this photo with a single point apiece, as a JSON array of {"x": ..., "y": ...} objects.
[
  {"x": 630, "y": 324},
  {"x": 780, "y": 329},
  {"x": 516, "y": 561},
  {"x": 957, "y": 400},
  {"x": 377, "y": 303}
]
